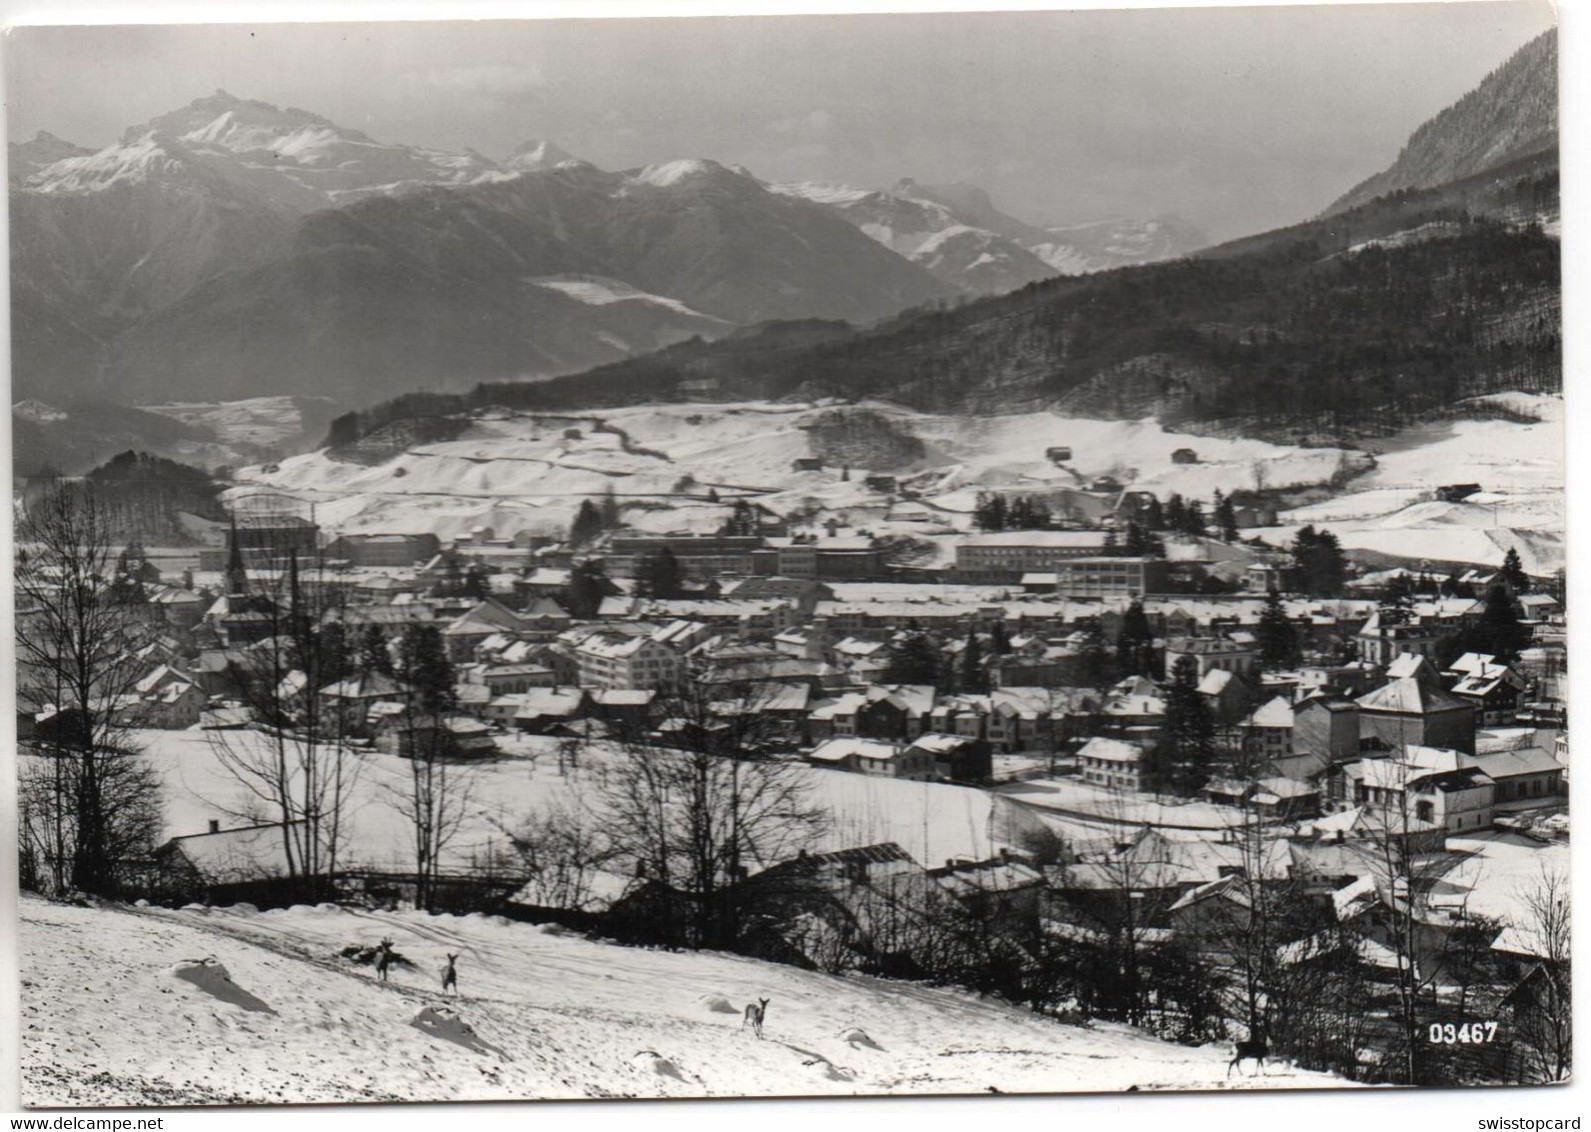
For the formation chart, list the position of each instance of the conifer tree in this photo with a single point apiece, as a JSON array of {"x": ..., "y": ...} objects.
[
  {"x": 1278, "y": 639},
  {"x": 1176, "y": 513},
  {"x": 659, "y": 576},
  {"x": 588, "y": 585},
  {"x": 974, "y": 677},
  {"x": 913, "y": 659},
  {"x": 1499, "y": 631},
  {"x": 374, "y": 655},
  {"x": 1513, "y": 573},
  {"x": 587, "y": 524},
  {"x": 1225, "y": 517},
  {"x": 424, "y": 666},
  {"x": 1094, "y": 667},
  {"x": 1187, "y": 737},
  {"x": 1135, "y": 642}
]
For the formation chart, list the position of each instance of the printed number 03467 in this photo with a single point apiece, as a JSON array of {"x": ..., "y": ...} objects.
[{"x": 1446, "y": 1033}]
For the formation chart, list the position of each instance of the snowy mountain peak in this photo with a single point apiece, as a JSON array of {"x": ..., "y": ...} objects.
[
  {"x": 691, "y": 171},
  {"x": 42, "y": 149},
  {"x": 538, "y": 153},
  {"x": 203, "y": 115}
]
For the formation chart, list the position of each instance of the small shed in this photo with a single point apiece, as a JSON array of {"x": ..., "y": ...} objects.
[
  {"x": 1184, "y": 456},
  {"x": 807, "y": 464},
  {"x": 1058, "y": 454},
  {"x": 571, "y": 434}
]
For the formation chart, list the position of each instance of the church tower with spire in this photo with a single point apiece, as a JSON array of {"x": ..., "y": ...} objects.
[{"x": 237, "y": 578}]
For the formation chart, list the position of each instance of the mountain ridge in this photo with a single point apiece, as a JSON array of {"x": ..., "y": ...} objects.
[{"x": 1512, "y": 114}]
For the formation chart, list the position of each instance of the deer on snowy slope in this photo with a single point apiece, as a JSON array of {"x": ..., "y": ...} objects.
[
  {"x": 450, "y": 977},
  {"x": 383, "y": 959},
  {"x": 754, "y": 1015},
  {"x": 1254, "y": 1048}
]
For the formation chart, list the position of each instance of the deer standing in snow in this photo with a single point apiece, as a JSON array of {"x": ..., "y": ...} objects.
[
  {"x": 383, "y": 959},
  {"x": 754, "y": 1015},
  {"x": 450, "y": 977},
  {"x": 1254, "y": 1048}
]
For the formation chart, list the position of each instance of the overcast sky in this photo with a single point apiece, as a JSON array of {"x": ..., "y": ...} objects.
[{"x": 1239, "y": 119}]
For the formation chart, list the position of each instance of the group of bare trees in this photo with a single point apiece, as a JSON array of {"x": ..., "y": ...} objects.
[
  {"x": 88, "y": 804},
  {"x": 293, "y": 768},
  {"x": 296, "y": 766},
  {"x": 693, "y": 810}
]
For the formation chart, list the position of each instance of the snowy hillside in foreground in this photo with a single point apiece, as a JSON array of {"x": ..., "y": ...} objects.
[{"x": 542, "y": 1015}]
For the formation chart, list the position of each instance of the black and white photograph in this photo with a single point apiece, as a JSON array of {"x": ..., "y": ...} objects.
[{"x": 728, "y": 556}]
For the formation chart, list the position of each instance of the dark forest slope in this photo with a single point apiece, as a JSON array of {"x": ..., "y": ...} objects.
[{"x": 1343, "y": 325}]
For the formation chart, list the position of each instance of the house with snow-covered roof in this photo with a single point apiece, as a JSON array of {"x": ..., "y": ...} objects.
[
  {"x": 871, "y": 756},
  {"x": 1115, "y": 763},
  {"x": 961, "y": 757},
  {"x": 1379, "y": 641},
  {"x": 622, "y": 660},
  {"x": 1268, "y": 732},
  {"x": 224, "y": 866},
  {"x": 348, "y": 702},
  {"x": 1495, "y": 689},
  {"x": 1212, "y": 652},
  {"x": 1409, "y": 711}
]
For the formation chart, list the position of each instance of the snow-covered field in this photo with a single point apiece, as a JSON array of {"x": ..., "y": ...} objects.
[
  {"x": 514, "y": 472},
  {"x": 118, "y": 1008},
  {"x": 1390, "y": 511},
  {"x": 517, "y": 472},
  {"x": 253, "y": 423},
  {"x": 931, "y": 821}
]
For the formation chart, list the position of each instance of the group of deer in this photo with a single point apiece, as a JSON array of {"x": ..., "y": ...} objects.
[{"x": 450, "y": 976}]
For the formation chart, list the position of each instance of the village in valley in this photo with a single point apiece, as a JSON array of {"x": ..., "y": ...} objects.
[
  {"x": 924, "y": 554},
  {"x": 1110, "y": 754}
]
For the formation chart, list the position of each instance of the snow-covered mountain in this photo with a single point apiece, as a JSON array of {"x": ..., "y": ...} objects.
[
  {"x": 44, "y": 148},
  {"x": 293, "y": 158},
  {"x": 1077, "y": 249},
  {"x": 957, "y": 232},
  {"x": 233, "y": 248},
  {"x": 965, "y": 256},
  {"x": 536, "y": 154}
]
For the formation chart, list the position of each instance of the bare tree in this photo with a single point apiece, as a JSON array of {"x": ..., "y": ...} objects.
[
  {"x": 294, "y": 765},
  {"x": 91, "y": 803},
  {"x": 696, "y": 816},
  {"x": 437, "y": 794},
  {"x": 560, "y": 849},
  {"x": 1542, "y": 1003},
  {"x": 1403, "y": 849}
]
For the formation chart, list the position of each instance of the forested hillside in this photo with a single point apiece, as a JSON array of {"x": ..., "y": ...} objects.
[
  {"x": 1341, "y": 327},
  {"x": 147, "y": 498},
  {"x": 1510, "y": 115}
]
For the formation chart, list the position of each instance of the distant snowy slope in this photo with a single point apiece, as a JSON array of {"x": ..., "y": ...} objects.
[
  {"x": 967, "y": 257},
  {"x": 542, "y": 1015}
]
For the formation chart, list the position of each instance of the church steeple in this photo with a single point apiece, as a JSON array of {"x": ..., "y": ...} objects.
[{"x": 237, "y": 578}]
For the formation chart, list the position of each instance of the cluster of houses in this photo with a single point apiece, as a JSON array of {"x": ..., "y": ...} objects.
[{"x": 803, "y": 642}]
